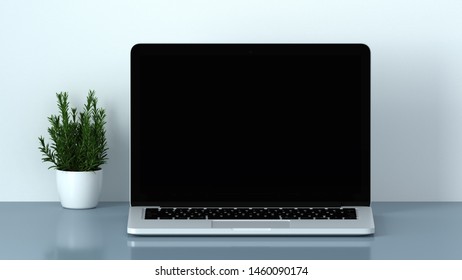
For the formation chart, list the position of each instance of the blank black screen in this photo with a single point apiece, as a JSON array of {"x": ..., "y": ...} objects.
[{"x": 247, "y": 125}]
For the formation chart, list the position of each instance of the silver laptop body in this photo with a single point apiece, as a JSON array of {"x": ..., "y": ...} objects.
[
  {"x": 137, "y": 225},
  {"x": 247, "y": 127}
]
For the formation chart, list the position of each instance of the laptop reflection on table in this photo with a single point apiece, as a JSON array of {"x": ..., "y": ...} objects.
[{"x": 320, "y": 248}]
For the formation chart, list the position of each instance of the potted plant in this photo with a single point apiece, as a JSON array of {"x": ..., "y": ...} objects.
[{"x": 77, "y": 151}]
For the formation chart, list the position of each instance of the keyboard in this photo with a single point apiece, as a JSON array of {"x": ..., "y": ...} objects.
[{"x": 250, "y": 213}]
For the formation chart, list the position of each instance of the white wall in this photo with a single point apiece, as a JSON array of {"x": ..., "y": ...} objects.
[{"x": 54, "y": 45}]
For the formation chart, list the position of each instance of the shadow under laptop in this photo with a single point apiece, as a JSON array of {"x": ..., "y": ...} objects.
[{"x": 315, "y": 248}]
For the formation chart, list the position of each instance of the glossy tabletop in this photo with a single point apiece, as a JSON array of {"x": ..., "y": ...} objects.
[{"x": 45, "y": 230}]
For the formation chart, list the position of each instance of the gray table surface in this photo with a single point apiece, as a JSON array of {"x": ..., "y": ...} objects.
[{"x": 44, "y": 230}]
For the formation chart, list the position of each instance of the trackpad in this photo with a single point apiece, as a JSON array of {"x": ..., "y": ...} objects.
[{"x": 250, "y": 224}]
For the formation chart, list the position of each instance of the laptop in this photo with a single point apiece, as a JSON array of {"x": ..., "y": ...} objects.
[{"x": 250, "y": 139}]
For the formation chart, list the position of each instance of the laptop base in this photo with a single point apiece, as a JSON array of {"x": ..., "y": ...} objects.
[{"x": 363, "y": 225}]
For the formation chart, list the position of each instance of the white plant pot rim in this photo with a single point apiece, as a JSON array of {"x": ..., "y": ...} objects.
[{"x": 79, "y": 171}]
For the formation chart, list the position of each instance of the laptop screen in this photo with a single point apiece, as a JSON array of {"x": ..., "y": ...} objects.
[{"x": 250, "y": 125}]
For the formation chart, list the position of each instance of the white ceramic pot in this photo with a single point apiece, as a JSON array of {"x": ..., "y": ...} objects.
[{"x": 79, "y": 189}]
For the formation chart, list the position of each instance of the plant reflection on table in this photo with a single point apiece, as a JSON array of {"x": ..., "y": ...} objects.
[{"x": 78, "y": 236}]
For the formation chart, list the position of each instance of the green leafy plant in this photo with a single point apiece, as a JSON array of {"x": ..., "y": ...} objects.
[{"x": 78, "y": 139}]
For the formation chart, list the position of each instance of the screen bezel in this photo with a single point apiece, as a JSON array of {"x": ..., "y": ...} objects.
[{"x": 362, "y": 198}]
